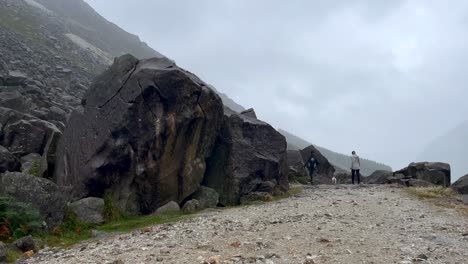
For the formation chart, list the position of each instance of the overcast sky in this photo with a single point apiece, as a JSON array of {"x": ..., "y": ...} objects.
[{"x": 381, "y": 77}]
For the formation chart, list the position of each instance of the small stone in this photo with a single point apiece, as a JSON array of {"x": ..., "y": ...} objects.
[
  {"x": 28, "y": 254},
  {"x": 147, "y": 230},
  {"x": 214, "y": 259},
  {"x": 323, "y": 240},
  {"x": 235, "y": 244},
  {"x": 26, "y": 244},
  {"x": 118, "y": 261},
  {"x": 349, "y": 251}
]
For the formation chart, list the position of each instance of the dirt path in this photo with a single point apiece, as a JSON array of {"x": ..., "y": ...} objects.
[{"x": 347, "y": 224}]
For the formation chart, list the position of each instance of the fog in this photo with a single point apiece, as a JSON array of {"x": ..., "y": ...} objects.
[{"x": 383, "y": 78}]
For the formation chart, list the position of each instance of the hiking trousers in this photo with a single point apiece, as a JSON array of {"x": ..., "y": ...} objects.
[{"x": 355, "y": 174}]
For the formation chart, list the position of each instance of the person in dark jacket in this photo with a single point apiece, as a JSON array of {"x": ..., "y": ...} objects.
[{"x": 312, "y": 165}]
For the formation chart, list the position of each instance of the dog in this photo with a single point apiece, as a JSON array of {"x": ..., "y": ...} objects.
[{"x": 334, "y": 180}]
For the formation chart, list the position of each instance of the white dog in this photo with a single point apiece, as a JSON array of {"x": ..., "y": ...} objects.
[{"x": 334, "y": 180}]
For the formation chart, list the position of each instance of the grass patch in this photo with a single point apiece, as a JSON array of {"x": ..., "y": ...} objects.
[
  {"x": 431, "y": 192},
  {"x": 128, "y": 223},
  {"x": 35, "y": 169},
  {"x": 111, "y": 211},
  {"x": 293, "y": 190},
  {"x": 74, "y": 231},
  {"x": 13, "y": 255}
]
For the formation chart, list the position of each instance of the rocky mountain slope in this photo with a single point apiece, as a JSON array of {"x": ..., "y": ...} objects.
[
  {"x": 146, "y": 133},
  {"x": 451, "y": 148},
  {"x": 338, "y": 160}
]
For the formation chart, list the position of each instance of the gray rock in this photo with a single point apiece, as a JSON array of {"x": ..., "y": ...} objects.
[
  {"x": 191, "y": 206},
  {"x": 461, "y": 185},
  {"x": 437, "y": 173},
  {"x": 169, "y": 207},
  {"x": 58, "y": 114},
  {"x": 247, "y": 152},
  {"x": 296, "y": 165},
  {"x": 381, "y": 177},
  {"x": 13, "y": 100},
  {"x": 206, "y": 196},
  {"x": 43, "y": 194},
  {"x": 15, "y": 78},
  {"x": 250, "y": 113},
  {"x": 25, "y": 244},
  {"x": 145, "y": 133},
  {"x": 23, "y": 134},
  {"x": 89, "y": 210},
  {"x": 8, "y": 162},
  {"x": 3, "y": 252},
  {"x": 464, "y": 198}
]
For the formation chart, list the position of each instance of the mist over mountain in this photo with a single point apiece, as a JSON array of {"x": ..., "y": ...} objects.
[{"x": 450, "y": 147}]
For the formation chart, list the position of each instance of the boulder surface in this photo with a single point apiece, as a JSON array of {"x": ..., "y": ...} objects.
[
  {"x": 437, "y": 173},
  {"x": 89, "y": 210},
  {"x": 144, "y": 135},
  {"x": 42, "y": 194},
  {"x": 461, "y": 185},
  {"x": 249, "y": 156}
]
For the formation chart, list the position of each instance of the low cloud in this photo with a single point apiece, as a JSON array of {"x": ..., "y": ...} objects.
[{"x": 381, "y": 77}]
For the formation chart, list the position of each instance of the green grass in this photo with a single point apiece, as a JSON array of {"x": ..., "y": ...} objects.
[
  {"x": 127, "y": 224},
  {"x": 293, "y": 190},
  {"x": 12, "y": 255},
  {"x": 431, "y": 192},
  {"x": 35, "y": 169}
]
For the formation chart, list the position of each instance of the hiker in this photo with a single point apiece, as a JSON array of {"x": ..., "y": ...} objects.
[
  {"x": 312, "y": 165},
  {"x": 355, "y": 167}
]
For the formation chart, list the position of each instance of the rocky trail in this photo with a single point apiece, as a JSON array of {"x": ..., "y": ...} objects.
[{"x": 325, "y": 224}]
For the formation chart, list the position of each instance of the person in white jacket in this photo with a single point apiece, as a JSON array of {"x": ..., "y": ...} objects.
[{"x": 355, "y": 167}]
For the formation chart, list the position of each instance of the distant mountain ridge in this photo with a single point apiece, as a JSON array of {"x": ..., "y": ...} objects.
[
  {"x": 338, "y": 160},
  {"x": 452, "y": 148}
]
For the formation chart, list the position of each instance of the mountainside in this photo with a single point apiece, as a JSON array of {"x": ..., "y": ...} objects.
[
  {"x": 338, "y": 160},
  {"x": 451, "y": 148},
  {"x": 80, "y": 120}
]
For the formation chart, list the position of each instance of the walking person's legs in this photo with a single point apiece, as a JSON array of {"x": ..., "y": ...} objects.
[
  {"x": 311, "y": 174},
  {"x": 358, "y": 175},
  {"x": 352, "y": 175}
]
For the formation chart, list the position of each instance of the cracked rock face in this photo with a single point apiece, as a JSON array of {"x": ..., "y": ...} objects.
[
  {"x": 145, "y": 132},
  {"x": 250, "y": 156}
]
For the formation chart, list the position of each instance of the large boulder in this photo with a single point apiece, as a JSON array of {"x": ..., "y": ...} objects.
[
  {"x": 44, "y": 195},
  {"x": 296, "y": 168},
  {"x": 89, "y": 210},
  {"x": 169, "y": 207},
  {"x": 206, "y": 196},
  {"x": 437, "y": 173},
  {"x": 144, "y": 134},
  {"x": 325, "y": 170},
  {"x": 8, "y": 161},
  {"x": 23, "y": 134},
  {"x": 461, "y": 185},
  {"x": 249, "y": 156},
  {"x": 388, "y": 177},
  {"x": 381, "y": 177}
]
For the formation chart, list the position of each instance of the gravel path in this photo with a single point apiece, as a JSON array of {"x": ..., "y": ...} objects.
[{"x": 326, "y": 224}]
